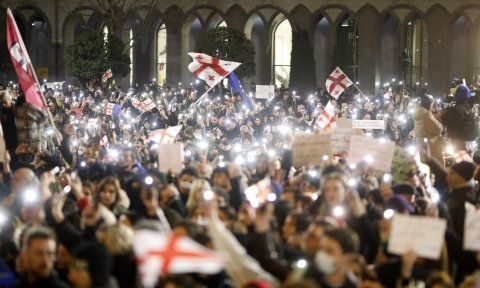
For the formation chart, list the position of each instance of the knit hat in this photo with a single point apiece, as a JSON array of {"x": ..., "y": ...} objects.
[
  {"x": 465, "y": 169},
  {"x": 399, "y": 204},
  {"x": 462, "y": 93},
  {"x": 258, "y": 284},
  {"x": 93, "y": 257}
]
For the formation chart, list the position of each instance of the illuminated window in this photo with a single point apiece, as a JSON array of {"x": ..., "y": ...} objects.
[
  {"x": 161, "y": 54},
  {"x": 283, "y": 49},
  {"x": 222, "y": 24}
]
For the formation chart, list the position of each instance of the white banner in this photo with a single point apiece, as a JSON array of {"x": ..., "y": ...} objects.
[
  {"x": 368, "y": 124},
  {"x": 170, "y": 157}
]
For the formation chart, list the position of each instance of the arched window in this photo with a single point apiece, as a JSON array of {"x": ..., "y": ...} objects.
[
  {"x": 161, "y": 54},
  {"x": 222, "y": 24},
  {"x": 281, "y": 56},
  {"x": 347, "y": 47},
  {"x": 415, "y": 54}
]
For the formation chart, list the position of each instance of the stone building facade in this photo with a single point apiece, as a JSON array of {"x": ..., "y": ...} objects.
[{"x": 422, "y": 42}]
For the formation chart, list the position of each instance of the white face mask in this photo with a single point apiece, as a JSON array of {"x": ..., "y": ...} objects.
[
  {"x": 185, "y": 185},
  {"x": 324, "y": 263}
]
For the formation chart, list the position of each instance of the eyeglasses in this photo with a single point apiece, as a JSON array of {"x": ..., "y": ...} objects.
[{"x": 78, "y": 264}]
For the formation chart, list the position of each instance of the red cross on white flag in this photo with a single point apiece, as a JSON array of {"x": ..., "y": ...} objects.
[
  {"x": 165, "y": 136},
  {"x": 327, "y": 120},
  {"x": 159, "y": 254},
  {"x": 337, "y": 82},
  {"x": 210, "y": 69}
]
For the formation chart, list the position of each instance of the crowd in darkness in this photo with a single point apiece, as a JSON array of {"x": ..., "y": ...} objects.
[{"x": 74, "y": 190}]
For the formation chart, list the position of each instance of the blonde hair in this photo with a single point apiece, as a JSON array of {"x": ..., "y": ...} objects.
[
  {"x": 117, "y": 238},
  {"x": 198, "y": 185}
]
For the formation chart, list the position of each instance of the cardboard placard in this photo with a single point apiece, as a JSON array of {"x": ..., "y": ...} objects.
[
  {"x": 310, "y": 148},
  {"x": 170, "y": 157},
  {"x": 341, "y": 138},
  {"x": 422, "y": 235},
  {"x": 472, "y": 228},
  {"x": 368, "y": 124},
  {"x": 378, "y": 151},
  {"x": 264, "y": 91}
]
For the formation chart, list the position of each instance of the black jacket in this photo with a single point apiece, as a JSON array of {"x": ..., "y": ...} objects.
[{"x": 51, "y": 282}]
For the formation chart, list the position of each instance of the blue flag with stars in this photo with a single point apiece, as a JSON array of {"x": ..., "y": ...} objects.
[{"x": 236, "y": 87}]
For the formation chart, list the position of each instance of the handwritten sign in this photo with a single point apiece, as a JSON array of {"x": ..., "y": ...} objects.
[
  {"x": 264, "y": 91},
  {"x": 170, "y": 157},
  {"x": 341, "y": 138},
  {"x": 422, "y": 235},
  {"x": 368, "y": 124},
  {"x": 472, "y": 228},
  {"x": 378, "y": 153},
  {"x": 310, "y": 148}
]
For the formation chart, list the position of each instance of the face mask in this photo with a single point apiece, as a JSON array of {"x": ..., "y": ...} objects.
[
  {"x": 185, "y": 185},
  {"x": 324, "y": 262}
]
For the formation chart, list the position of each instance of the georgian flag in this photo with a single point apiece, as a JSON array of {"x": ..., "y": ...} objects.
[
  {"x": 22, "y": 64},
  {"x": 159, "y": 254},
  {"x": 327, "y": 119},
  {"x": 210, "y": 69},
  {"x": 113, "y": 109},
  {"x": 165, "y": 136},
  {"x": 143, "y": 106},
  {"x": 337, "y": 82}
]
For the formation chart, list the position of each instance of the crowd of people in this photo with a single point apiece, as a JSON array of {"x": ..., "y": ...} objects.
[{"x": 76, "y": 189}]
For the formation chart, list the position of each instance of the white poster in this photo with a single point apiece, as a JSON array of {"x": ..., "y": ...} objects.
[
  {"x": 341, "y": 139},
  {"x": 471, "y": 239},
  {"x": 419, "y": 234},
  {"x": 170, "y": 157},
  {"x": 264, "y": 91}
]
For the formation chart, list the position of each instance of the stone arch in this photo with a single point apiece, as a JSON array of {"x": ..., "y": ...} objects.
[
  {"x": 301, "y": 17},
  {"x": 236, "y": 17}
]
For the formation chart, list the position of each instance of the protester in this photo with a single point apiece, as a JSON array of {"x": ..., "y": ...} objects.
[{"x": 238, "y": 189}]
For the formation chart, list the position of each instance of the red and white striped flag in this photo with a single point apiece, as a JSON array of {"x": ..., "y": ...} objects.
[
  {"x": 327, "y": 119},
  {"x": 210, "y": 69},
  {"x": 158, "y": 254},
  {"x": 165, "y": 136},
  {"x": 107, "y": 75},
  {"x": 337, "y": 82},
  {"x": 22, "y": 64}
]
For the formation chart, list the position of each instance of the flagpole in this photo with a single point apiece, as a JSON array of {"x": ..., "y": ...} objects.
[
  {"x": 355, "y": 85},
  {"x": 50, "y": 117},
  {"x": 206, "y": 92}
]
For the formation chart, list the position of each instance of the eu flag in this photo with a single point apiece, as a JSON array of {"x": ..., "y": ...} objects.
[{"x": 236, "y": 87}]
